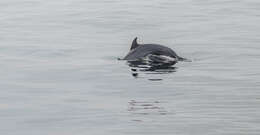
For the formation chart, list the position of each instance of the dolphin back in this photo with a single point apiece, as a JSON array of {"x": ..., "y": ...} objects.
[{"x": 144, "y": 50}]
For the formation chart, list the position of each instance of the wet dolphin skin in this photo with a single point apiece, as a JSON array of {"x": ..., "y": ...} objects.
[{"x": 152, "y": 54}]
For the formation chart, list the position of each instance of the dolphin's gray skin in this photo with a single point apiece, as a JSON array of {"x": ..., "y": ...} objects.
[{"x": 155, "y": 53}]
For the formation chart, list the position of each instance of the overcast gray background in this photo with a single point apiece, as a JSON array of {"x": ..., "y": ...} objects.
[{"x": 59, "y": 74}]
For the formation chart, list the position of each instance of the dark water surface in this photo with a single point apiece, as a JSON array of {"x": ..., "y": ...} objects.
[{"x": 59, "y": 73}]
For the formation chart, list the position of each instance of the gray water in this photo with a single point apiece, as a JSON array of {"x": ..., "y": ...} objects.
[{"x": 59, "y": 73}]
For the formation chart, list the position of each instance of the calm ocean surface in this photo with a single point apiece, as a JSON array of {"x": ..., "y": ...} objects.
[{"x": 59, "y": 73}]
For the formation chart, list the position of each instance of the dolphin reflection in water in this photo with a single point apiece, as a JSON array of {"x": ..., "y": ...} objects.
[{"x": 152, "y": 57}]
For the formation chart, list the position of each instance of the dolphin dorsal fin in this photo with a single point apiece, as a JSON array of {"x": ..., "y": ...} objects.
[{"x": 134, "y": 44}]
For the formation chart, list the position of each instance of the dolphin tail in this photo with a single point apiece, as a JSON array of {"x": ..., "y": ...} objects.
[{"x": 183, "y": 59}]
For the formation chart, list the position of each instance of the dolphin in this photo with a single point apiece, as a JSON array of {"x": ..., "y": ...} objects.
[{"x": 152, "y": 54}]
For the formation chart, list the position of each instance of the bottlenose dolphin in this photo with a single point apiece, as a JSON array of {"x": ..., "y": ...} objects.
[{"x": 152, "y": 54}]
